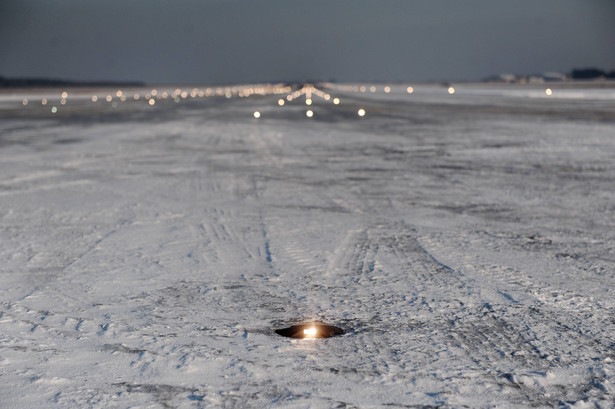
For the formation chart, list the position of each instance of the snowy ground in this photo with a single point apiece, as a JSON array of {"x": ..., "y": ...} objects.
[{"x": 466, "y": 243}]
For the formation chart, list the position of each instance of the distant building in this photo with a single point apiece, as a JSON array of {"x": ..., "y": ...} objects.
[
  {"x": 509, "y": 78},
  {"x": 554, "y": 76}
]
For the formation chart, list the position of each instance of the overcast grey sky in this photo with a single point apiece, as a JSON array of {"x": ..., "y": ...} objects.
[{"x": 218, "y": 41}]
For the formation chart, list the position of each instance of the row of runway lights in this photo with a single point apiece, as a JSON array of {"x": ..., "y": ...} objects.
[
  {"x": 177, "y": 95},
  {"x": 308, "y": 90},
  {"x": 309, "y": 113}
]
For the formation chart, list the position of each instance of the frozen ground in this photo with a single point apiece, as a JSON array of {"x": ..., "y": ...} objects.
[{"x": 466, "y": 243}]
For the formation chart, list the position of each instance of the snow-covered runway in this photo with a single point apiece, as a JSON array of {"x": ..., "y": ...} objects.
[{"x": 464, "y": 242}]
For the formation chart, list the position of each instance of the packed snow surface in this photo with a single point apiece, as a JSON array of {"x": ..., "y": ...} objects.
[{"x": 465, "y": 243}]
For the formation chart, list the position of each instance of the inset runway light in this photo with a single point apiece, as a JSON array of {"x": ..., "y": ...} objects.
[
  {"x": 372, "y": 89},
  {"x": 154, "y": 92},
  {"x": 25, "y": 101},
  {"x": 410, "y": 90},
  {"x": 54, "y": 110},
  {"x": 548, "y": 91},
  {"x": 280, "y": 102},
  {"x": 257, "y": 114},
  {"x": 119, "y": 93},
  {"x": 308, "y": 101},
  {"x": 44, "y": 101},
  {"x": 136, "y": 97},
  {"x": 151, "y": 101},
  {"x": 309, "y": 113},
  {"x": 310, "y": 330},
  {"x": 94, "y": 98},
  {"x": 123, "y": 98},
  {"x": 362, "y": 88},
  {"x": 63, "y": 101},
  {"x": 109, "y": 98},
  {"x": 64, "y": 94},
  {"x": 387, "y": 89},
  {"x": 336, "y": 101},
  {"x": 451, "y": 90},
  {"x": 361, "y": 112}
]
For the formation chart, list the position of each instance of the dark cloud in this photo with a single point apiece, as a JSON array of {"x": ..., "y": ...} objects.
[{"x": 268, "y": 40}]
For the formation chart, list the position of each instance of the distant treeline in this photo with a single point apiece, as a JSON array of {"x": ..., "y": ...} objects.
[
  {"x": 590, "y": 73},
  {"x": 46, "y": 82}
]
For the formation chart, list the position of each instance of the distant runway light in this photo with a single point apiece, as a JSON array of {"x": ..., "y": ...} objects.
[
  {"x": 136, "y": 97},
  {"x": 387, "y": 89},
  {"x": 362, "y": 88},
  {"x": 63, "y": 101},
  {"x": 410, "y": 90},
  {"x": 44, "y": 101},
  {"x": 257, "y": 114},
  {"x": 280, "y": 102},
  {"x": 65, "y": 95},
  {"x": 309, "y": 113},
  {"x": 94, "y": 98},
  {"x": 308, "y": 101},
  {"x": 289, "y": 98},
  {"x": 548, "y": 91},
  {"x": 152, "y": 101},
  {"x": 336, "y": 101},
  {"x": 25, "y": 101},
  {"x": 119, "y": 93},
  {"x": 372, "y": 89},
  {"x": 451, "y": 90},
  {"x": 109, "y": 98},
  {"x": 123, "y": 98},
  {"x": 154, "y": 92},
  {"x": 361, "y": 112},
  {"x": 54, "y": 110}
]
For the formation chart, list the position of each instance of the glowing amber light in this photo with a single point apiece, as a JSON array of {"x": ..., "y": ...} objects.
[
  {"x": 361, "y": 112},
  {"x": 309, "y": 113},
  {"x": 548, "y": 91},
  {"x": 280, "y": 102},
  {"x": 94, "y": 98},
  {"x": 119, "y": 93},
  {"x": 309, "y": 332},
  {"x": 257, "y": 114},
  {"x": 152, "y": 101},
  {"x": 410, "y": 90},
  {"x": 387, "y": 89},
  {"x": 65, "y": 94},
  {"x": 451, "y": 90}
]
